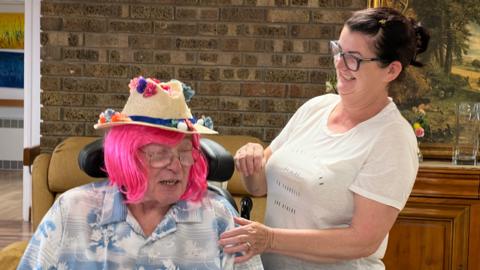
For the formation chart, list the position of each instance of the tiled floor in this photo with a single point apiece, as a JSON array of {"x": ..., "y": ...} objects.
[{"x": 12, "y": 228}]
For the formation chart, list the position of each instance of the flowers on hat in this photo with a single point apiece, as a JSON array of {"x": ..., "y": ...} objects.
[
  {"x": 141, "y": 84},
  {"x": 188, "y": 92},
  {"x": 205, "y": 121},
  {"x": 146, "y": 86},
  {"x": 110, "y": 115},
  {"x": 187, "y": 124},
  {"x": 150, "y": 90},
  {"x": 182, "y": 125},
  {"x": 133, "y": 83},
  {"x": 158, "y": 104}
]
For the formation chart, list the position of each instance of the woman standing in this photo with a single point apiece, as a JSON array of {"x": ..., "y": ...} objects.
[{"x": 343, "y": 167}]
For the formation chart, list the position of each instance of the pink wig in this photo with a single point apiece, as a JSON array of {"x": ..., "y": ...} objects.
[{"x": 126, "y": 170}]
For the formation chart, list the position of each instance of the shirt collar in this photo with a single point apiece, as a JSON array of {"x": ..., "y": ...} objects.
[{"x": 115, "y": 210}]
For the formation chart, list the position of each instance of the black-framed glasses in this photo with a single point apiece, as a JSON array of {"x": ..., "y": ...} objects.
[{"x": 351, "y": 61}]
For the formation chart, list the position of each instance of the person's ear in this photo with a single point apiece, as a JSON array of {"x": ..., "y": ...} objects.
[{"x": 393, "y": 70}]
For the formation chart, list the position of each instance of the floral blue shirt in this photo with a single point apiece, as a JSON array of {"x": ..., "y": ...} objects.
[{"x": 90, "y": 227}]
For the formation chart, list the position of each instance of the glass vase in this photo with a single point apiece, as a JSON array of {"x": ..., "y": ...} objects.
[{"x": 419, "y": 153}]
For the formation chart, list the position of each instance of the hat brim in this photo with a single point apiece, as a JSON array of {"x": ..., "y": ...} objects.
[{"x": 199, "y": 129}]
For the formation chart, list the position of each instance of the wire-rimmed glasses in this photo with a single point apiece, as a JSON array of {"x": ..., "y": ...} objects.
[
  {"x": 351, "y": 61},
  {"x": 163, "y": 156}
]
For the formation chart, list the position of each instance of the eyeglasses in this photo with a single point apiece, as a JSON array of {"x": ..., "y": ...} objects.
[
  {"x": 163, "y": 156},
  {"x": 351, "y": 61}
]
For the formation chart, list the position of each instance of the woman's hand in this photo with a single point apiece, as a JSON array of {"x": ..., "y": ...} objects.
[
  {"x": 249, "y": 159},
  {"x": 251, "y": 238}
]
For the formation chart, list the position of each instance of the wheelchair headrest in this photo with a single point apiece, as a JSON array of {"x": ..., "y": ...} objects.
[{"x": 219, "y": 160}]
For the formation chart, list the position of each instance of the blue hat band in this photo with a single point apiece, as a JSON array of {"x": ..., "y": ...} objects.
[{"x": 159, "y": 121}]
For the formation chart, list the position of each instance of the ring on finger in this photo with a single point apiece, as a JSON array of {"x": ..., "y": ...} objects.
[{"x": 249, "y": 246}]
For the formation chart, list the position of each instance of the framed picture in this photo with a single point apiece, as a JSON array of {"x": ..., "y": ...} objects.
[
  {"x": 451, "y": 73},
  {"x": 12, "y": 25}
]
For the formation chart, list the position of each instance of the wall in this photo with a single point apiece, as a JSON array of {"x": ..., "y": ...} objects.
[{"x": 252, "y": 63}]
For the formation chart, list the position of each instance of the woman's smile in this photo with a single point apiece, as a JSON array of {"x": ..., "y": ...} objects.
[{"x": 346, "y": 76}]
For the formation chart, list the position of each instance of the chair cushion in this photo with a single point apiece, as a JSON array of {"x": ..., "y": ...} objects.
[
  {"x": 63, "y": 174},
  {"x": 10, "y": 255}
]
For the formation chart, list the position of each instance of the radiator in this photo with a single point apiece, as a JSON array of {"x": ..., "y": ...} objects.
[{"x": 11, "y": 144}]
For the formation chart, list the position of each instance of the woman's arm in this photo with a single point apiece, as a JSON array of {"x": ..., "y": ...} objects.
[
  {"x": 250, "y": 162},
  {"x": 370, "y": 224}
]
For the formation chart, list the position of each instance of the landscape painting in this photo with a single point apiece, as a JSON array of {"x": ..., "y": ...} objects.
[{"x": 452, "y": 64}]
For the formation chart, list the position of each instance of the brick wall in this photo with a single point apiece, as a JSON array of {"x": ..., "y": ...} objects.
[{"x": 252, "y": 63}]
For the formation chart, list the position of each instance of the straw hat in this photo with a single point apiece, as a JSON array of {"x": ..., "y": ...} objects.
[{"x": 157, "y": 104}]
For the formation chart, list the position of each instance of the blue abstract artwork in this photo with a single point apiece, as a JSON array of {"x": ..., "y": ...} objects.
[{"x": 11, "y": 69}]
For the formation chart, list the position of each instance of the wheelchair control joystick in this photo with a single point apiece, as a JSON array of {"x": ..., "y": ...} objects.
[{"x": 246, "y": 205}]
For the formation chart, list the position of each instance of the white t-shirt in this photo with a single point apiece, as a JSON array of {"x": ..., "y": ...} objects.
[{"x": 313, "y": 174}]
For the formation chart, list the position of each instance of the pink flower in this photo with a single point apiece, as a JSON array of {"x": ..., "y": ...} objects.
[
  {"x": 419, "y": 132},
  {"x": 133, "y": 83},
  {"x": 150, "y": 90}
]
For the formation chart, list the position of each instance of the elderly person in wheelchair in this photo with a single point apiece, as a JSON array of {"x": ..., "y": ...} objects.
[{"x": 154, "y": 212}]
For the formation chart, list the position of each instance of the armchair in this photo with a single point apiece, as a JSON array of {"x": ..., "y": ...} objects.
[{"x": 56, "y": 172}]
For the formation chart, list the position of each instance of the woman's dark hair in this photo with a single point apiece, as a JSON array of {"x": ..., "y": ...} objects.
[{"x": 396, "y": 37}]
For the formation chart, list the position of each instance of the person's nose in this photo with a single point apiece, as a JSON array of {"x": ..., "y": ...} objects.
[
  {"x": 175, "y": 163},
  {"x": 338, "y": 62}
]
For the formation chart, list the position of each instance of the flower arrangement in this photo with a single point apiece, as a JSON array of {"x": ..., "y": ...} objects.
[
  {"x": 420, "y": 126},
  {"x": 420, "y": 123}
]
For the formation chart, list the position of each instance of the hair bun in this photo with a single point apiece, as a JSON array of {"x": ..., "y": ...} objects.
[{"x": 422, "y": 37}]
